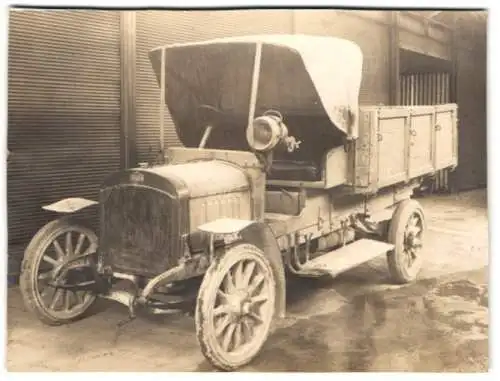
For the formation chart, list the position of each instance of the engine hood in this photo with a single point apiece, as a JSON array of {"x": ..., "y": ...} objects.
[{"x": 194, "y": 179}]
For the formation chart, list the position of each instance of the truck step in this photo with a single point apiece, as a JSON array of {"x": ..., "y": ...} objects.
[{"x": 345, "y": 258}]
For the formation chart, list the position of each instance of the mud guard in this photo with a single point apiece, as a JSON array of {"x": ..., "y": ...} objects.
[
  {"x": 69, "y": 205},
  {"x": 260, "y": 235}
]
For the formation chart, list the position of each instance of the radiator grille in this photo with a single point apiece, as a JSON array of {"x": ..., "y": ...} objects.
[{"x": 139, "y": 230}]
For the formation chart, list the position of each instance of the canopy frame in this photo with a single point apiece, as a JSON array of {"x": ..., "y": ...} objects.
[
  {"x": 340, "y": 106},
  {"x": 255, "y": 83}
]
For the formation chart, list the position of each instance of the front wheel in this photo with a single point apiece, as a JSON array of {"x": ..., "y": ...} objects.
[
  {"x": 49, "y": 247},
  {"x": 406, "y": 233},
  {"x": 235, "y": 307}
]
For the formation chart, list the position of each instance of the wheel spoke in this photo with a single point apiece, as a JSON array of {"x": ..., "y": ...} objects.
[
  {"x": 222, "y": 325},
  {"x": 414, "y": 221},
  {"x": 414, "y": 230},
  {"x": 79, "y": 298},
  {"x": 59, "y": 250},
  {"x": 255, "y": 283},
  {"x": 223, "y": 296},
  {"x": 56, "y": 298},
  {"x": 50, "y": 260},
  {"x": 67, "y": 300},
  {"x": 259, "y": 299},
  {"x": 255, "y": 317},
  {"x": 413, "y": 255},
  {"x": 409, "y": 231},
  {"x": 221, "y": 310},
  {"x": 229, "y": 283},
  {"x": 69, "y": 244},
  {"x": 238, "y": 275},
  {"x": 228, "y": 337},
  {"x": 417, "y": 243},
  {"x": 79, "y": 244},
  {"x": 248, "y": 273},
  {"x": 246, "y": 329},
  {"x": 411, "y": 226},
  {"x": 237, "y": 336},
  {"x": 409, "y": 258},
  {"x": 44, "y": 276}
]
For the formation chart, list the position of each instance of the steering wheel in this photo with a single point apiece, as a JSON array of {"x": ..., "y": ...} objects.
[{"x": 208, "y": 115}]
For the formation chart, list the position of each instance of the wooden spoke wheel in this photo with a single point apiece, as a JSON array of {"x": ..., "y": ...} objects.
[
  {"x": 55, "y": 242},
  {"x": 406, "y": 233},
  {"x": 235, "y": 307}
]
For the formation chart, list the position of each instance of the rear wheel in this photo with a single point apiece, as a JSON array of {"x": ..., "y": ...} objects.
[
  {"x": 49, "y": 247},
  {"x": 406, "y": 233},
  {"x": 235, "y": 307}
]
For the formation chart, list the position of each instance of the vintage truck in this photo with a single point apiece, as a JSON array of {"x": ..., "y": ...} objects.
[{"x": 281, "y": 173}]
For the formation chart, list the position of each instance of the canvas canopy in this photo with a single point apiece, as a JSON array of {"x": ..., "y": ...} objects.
[{"x": 313, "y": 81}]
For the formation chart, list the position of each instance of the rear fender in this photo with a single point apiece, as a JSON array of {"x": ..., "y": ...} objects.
[
  {"x": 69, "y": 205},
  {"x": 260, "y": 235}
]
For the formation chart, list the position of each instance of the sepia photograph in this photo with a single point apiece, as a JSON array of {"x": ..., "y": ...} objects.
[{"x": 247, "y": 190}]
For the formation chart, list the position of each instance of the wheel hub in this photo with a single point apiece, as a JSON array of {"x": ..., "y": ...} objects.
[
  {"x": 239, "y": 305},
  {"x": 245, "y": 308},
  {"x": 410, "y": 240}
]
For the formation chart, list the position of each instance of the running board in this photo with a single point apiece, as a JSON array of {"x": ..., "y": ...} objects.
[{"x": 345, "y": 258}]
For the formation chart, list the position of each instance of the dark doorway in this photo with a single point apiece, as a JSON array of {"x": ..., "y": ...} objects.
[{"x": 426, "y": 80}]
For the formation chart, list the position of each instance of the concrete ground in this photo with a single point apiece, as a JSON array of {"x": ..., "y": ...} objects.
[{"x": 356, "y": 322}]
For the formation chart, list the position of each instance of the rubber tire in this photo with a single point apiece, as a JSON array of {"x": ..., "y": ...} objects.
[
  {"x": 211, "y": 281},
  {"x": 397, "y": 226},
  {"x": 27, "y": 282}
]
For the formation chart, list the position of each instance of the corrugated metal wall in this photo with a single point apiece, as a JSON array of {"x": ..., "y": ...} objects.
[
  {"x": 370, "y": 35},
  {"x": 63, "y": 110},
  {"x": 155, "y": 28},
  {"x": 427, "y": 89}
]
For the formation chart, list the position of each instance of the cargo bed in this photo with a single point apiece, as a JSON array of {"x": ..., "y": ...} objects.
[
  {"x": 400, "y": 143},
  {"x": 396, "y": 144}
]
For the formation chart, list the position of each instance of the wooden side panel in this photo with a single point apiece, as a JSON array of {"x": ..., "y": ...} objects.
[
  {"x": 421, "y": 142},
  {"x": 364, "y": 149},
  {"x": 445, "y": 138},
  {"x": 391, "y": 163},
  {"x": 336, "y": 168},
  {"x": 397, "y": 144}
]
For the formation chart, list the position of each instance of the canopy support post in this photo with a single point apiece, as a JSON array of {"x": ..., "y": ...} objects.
[
  {"x": 394, "y": 64},
  {"x": 255, "y": 83},
  {"x": 162, "y": 101}
]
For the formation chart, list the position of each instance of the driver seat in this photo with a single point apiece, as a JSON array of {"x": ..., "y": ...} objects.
[{"x": 293, "y": 170}]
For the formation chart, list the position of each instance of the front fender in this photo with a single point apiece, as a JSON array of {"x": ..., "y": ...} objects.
[
  {"x": 69, "y": 205},
  {"x": 260, "y": 235}
]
